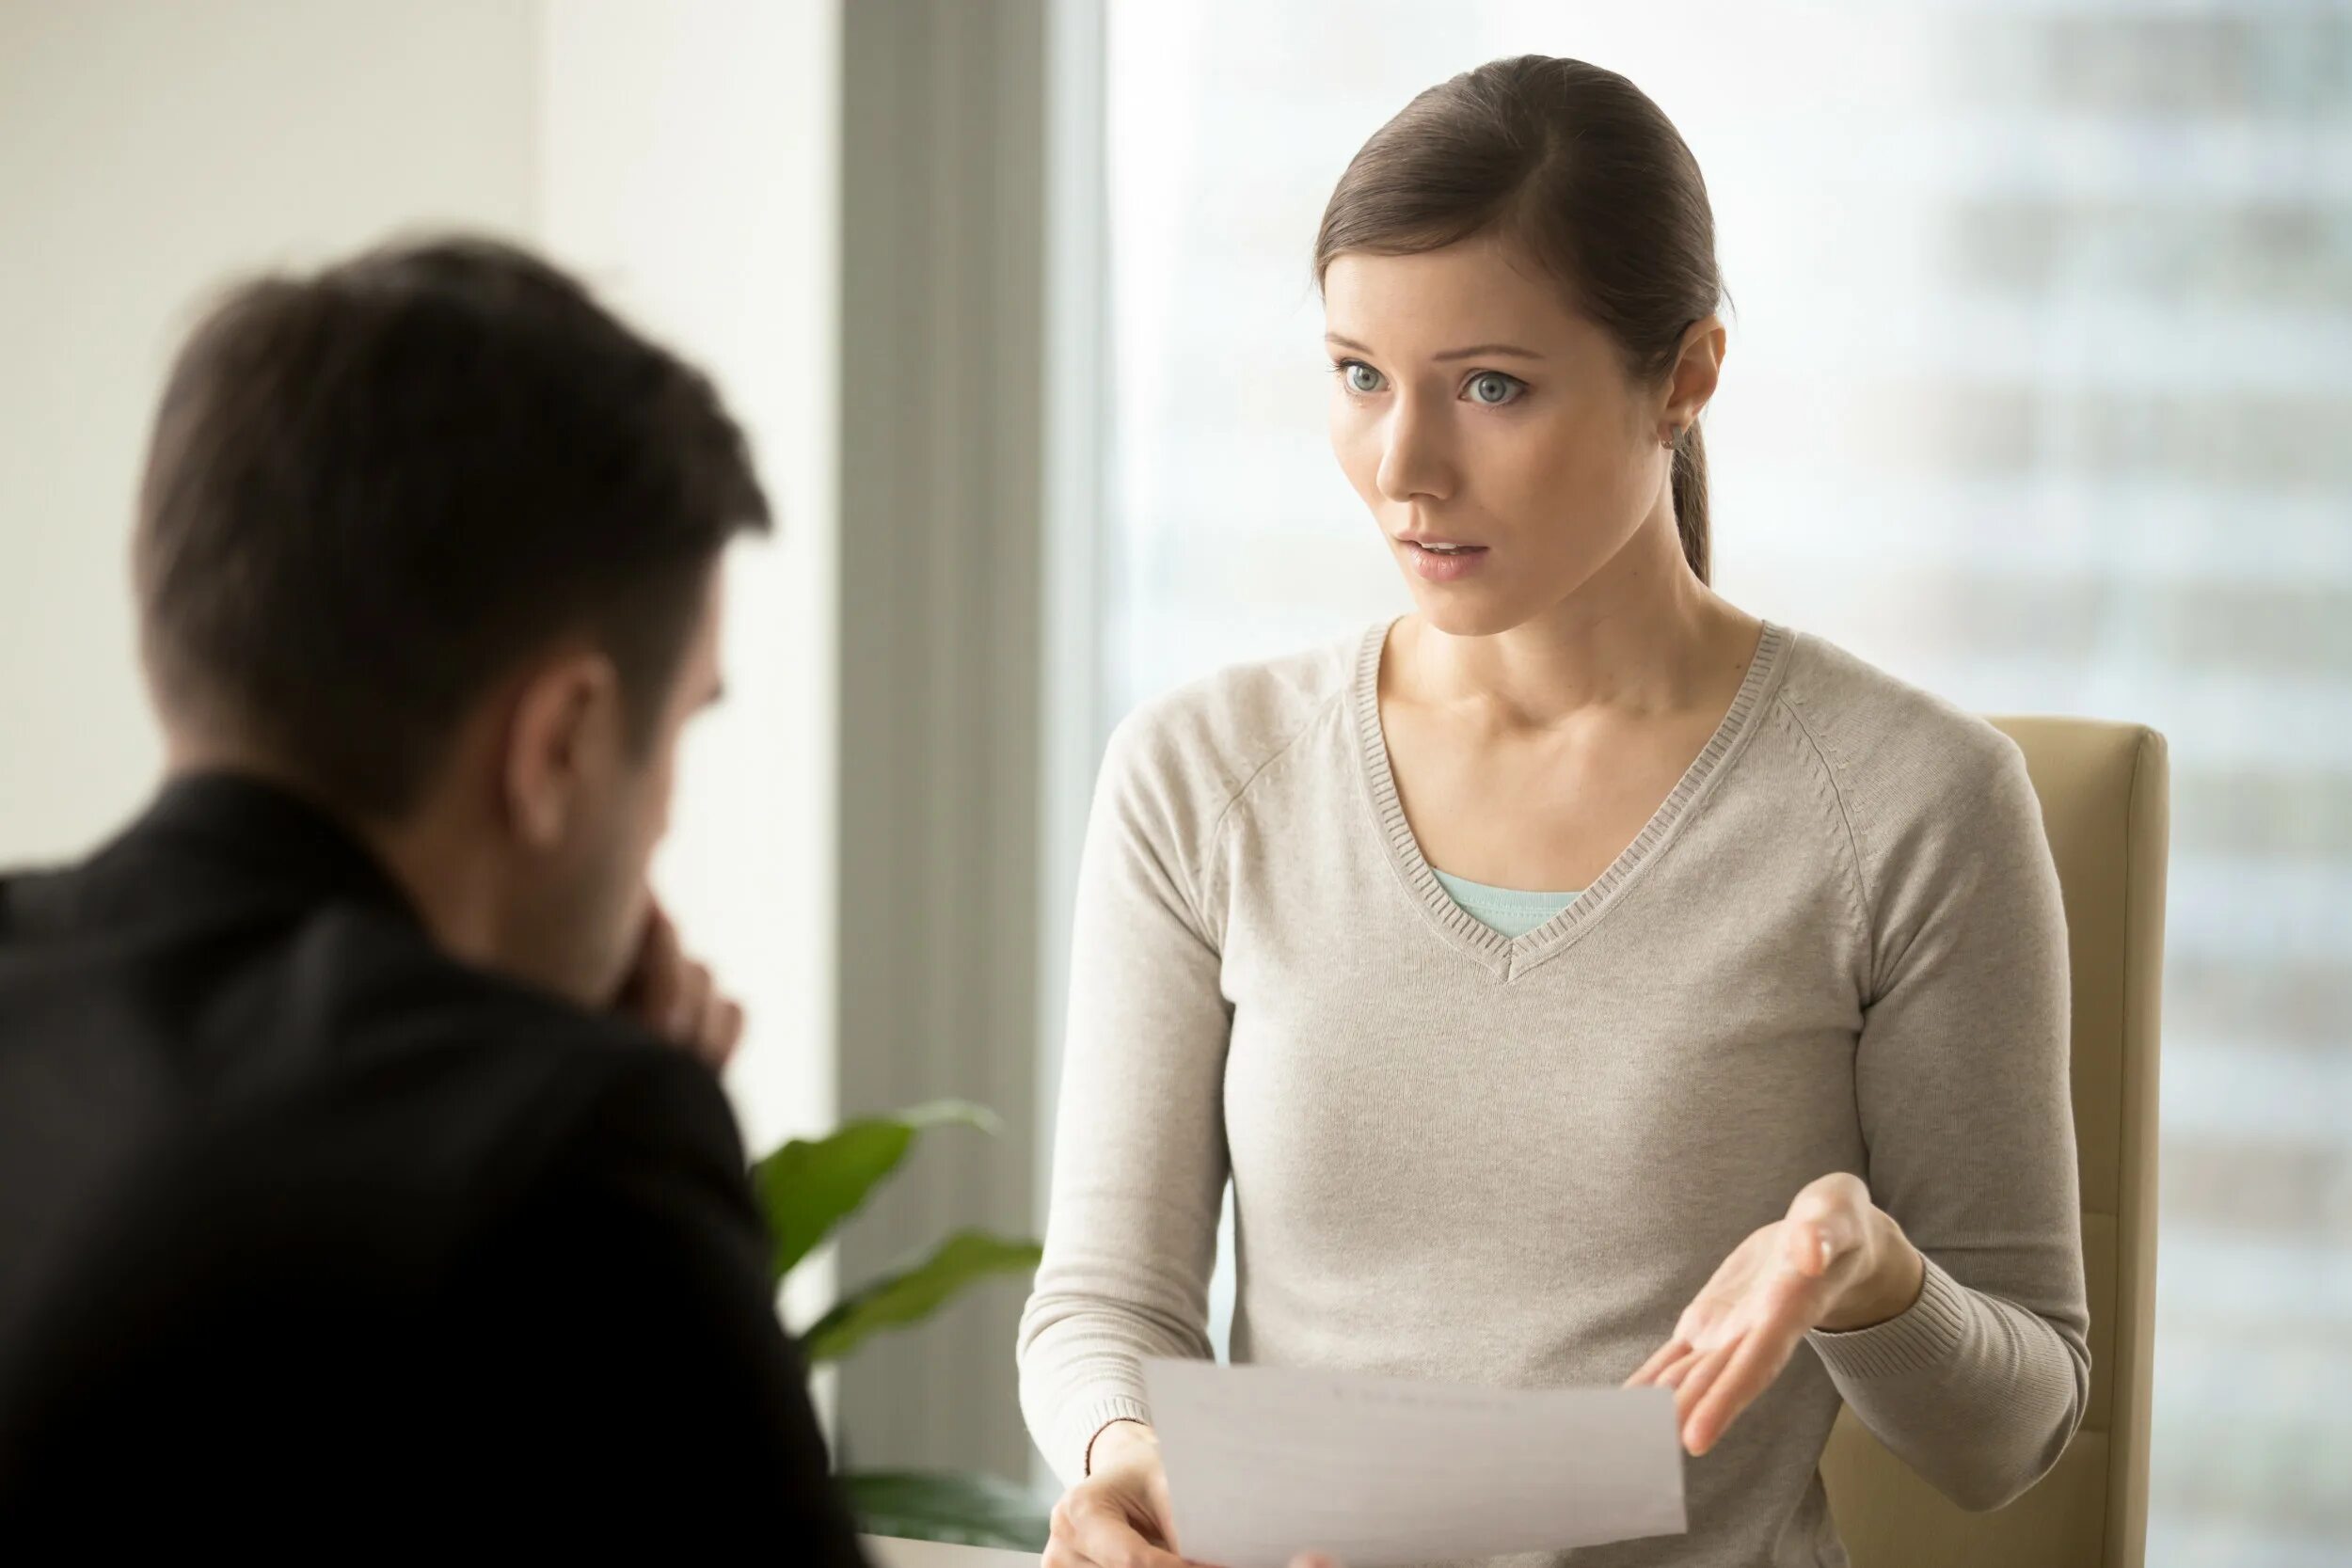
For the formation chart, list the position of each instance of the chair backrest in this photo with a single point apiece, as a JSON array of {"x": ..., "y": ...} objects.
[{"x": 2106, "y": 806}]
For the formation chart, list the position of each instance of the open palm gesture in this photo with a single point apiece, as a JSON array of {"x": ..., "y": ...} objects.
[{"x": 1835, "y": 1261}]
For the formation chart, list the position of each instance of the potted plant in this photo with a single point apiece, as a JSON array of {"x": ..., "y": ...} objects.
[{"x": 807, "y": 1188}]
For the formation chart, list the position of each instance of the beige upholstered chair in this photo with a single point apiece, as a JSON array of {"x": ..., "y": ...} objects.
[{"x": 2105, "y": 803}]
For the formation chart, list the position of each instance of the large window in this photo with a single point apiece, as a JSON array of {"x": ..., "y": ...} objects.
[{"x": 2037, "y": 395}]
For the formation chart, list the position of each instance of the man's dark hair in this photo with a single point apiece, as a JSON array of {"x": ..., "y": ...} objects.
[{"x": 374, "y": 492}]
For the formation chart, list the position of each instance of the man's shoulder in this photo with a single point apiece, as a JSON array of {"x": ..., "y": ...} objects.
[
  {"x": 410, "y": 1104},
  {"x": 433, "y": 1144},
  {"x": 472, "y": 1073},
  {"x": 319, "y": 1076}
]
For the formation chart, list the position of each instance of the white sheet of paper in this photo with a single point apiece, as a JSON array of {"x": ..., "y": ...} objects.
[{"x": 1266, "y": 1461}]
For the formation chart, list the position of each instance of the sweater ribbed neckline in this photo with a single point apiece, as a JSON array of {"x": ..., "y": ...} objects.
[{"x": 1512, "y": 956}]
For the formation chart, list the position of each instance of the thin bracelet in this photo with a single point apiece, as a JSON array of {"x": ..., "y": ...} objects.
[{"x": 1098, "y": 1437}]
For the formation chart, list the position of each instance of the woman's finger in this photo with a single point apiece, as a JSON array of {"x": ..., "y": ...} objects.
[
  {"x": 1103, "y": 1535},
  {"x": 1702, "y": 1377},
  {"x": 1749, "y": 1371},
  {"x": 1839, "y": 1193},
  {"x": 1811, "y": 1248},
  {"x": 1061, "y": 1545},
  {"x": 1804, "y": 1248},
  {"x": 1836, "y": 1209},
  {"x": 1164, "y": 1515},
  {"x": 1665, "y": 1355},
  {"x": 1674, "y": 1376}
]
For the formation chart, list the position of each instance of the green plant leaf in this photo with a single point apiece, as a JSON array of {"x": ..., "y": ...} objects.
[
  {"x": 806, "y": 1189},
  {"x": 965, "y": 1508},
  {"x": 910, "y": 1296}
]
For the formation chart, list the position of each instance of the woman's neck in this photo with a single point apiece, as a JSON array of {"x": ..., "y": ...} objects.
[{"x": 1641, "y": 636}]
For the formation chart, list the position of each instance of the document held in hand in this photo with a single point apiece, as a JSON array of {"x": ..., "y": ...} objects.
[{"x": 1266, "y": 1461}]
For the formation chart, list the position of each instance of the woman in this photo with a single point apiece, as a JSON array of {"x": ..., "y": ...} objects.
[{"x": 1578, "y": 977}]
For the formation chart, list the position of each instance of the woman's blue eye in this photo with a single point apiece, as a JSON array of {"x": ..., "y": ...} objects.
[
  {"x": 1361, "y": 377},
  {"x": 1494, "y": 389}
]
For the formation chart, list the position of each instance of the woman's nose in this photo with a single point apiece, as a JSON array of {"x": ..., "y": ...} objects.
[{"x": 1415, "y": 459}]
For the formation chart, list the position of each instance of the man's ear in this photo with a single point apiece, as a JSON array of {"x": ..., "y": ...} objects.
[
  {"x": 1698, "y": 366},
  {"x": 565, "y": 730}
]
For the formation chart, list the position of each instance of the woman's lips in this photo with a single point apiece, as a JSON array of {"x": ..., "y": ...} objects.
[{"x": 1440, "y": 564}]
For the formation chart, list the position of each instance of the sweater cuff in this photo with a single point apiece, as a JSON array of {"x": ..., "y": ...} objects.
[
  {"x": 1086, "y": 1423},
  {"x": 1929, "y": 1331}
]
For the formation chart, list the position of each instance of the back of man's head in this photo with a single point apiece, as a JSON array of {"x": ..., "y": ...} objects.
[{"x": 374, "y": 491}]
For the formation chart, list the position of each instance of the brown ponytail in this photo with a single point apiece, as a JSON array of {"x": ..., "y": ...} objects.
[
  {"x": 1575, "y": 165},
  {"x": 1690, "y": 493}
]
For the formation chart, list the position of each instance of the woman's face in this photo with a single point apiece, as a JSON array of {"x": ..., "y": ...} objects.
[{"x": 1493, "y": 432}]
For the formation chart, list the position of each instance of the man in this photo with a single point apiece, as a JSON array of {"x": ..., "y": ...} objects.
[{"x": 361, "y": 1149}]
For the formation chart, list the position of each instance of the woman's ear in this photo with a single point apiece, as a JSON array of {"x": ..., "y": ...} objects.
[
  {"x": 564, "y": 734},
  {"x": 1698, "y": 366}
]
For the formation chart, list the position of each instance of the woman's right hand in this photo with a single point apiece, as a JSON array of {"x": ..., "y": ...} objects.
[{"x": 1119, "y": 1515}]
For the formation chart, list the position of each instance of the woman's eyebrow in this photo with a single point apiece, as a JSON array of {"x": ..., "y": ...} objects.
[
  {"x": 1475, "y": 351},
  {"x": 1488, "y": 351}
]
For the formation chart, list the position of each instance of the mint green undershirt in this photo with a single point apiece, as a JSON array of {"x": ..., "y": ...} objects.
[{"x": 1508, "y": 911}]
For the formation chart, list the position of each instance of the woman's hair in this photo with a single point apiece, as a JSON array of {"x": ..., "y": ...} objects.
[{"x": 1577, "y": 168}]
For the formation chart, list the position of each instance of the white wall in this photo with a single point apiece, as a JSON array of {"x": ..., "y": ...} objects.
[
  {"x": 148, "y": 150},
  {"x": 690, "y": 172},
  {"x": 681, "y": 156}
]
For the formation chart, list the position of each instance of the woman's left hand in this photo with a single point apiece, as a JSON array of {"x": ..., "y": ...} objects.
[{"x": 1836, "y": 1262}]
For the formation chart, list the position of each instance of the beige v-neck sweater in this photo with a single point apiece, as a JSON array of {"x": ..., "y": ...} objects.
[{"x": 1837, "y": 946}]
